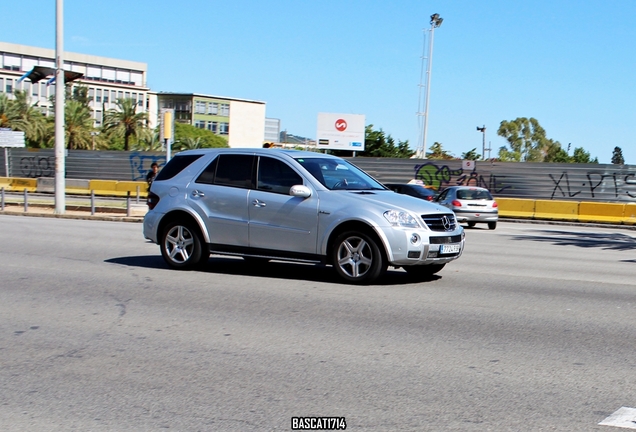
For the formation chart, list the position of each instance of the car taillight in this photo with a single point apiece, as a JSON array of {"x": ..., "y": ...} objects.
[
  {"x": 152, "y": 201},
  {"x": 495, "y": 205},
  {"x": 429, "y": 198},
  {"x": 456, "y": 203}
]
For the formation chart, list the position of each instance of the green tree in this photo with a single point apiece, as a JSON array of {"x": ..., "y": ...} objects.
[
  {"x": 554, "y": 153},
  {"x": 581, "y": 156},
  {"x": 378, "y": 144},
  {"x": 436, "y": 151},
  {"x": 471, "y": 155},
  {"x": 126, "y": 122},
  {"x": 527, "y": 140},
  {"x": 79, "y": 126},
  {"x": 617, "y": 156},
  {"x": 207, "y": 139},
  {"x": 31, "y": 121}
]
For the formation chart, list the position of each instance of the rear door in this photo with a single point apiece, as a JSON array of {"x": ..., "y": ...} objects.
[{"x": 220, "y": 193}]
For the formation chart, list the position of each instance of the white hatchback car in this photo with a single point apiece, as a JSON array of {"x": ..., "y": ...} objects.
[
  {"x": 264, "y": 204},
  {"x": 471, "y": 205}
]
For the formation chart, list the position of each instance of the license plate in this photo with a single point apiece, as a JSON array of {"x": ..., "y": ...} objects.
[{"x": 449, "y": 248}]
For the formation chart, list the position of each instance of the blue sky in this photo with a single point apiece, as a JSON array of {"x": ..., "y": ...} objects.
[{"x": 569, "y": 64}]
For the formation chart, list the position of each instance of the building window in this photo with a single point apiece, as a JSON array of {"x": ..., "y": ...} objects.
[
  {"x": 105, "y": 96},
  {"x": 36, "y": 90},
  {"x": 225, "y": 110},
  {"x": 224, "y": 128},
  {"x": 98, "y": 96},
  {"x": 213, "y": 108},
  {"x": 113, "y": 96},
  {"x": 9, "y": 87},
  {"x": 200, "y": 124},
  {"x": 43, "y": 90},
  {"x": 91, "y": 95},
  {"x": 199, "y": 107},
  {"x": 213, "y": 126},
  {"x": 1, "y": 85},
  {"x": 120, "y": 94},
  {"x": 127, "y": 95}
]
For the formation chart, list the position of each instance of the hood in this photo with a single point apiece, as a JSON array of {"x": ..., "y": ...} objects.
[{"x": 386, "y": 199}]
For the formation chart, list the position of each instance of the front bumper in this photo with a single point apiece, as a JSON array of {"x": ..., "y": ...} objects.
[{"x": 421, "y": 247}]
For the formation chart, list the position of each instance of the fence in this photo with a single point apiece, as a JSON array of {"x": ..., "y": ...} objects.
[{"x": 545, "y": 181}]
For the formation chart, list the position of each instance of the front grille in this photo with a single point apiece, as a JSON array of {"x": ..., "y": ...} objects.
[
  {"x": 436, "y": 222},
  {"x": 446, "y": 240}
]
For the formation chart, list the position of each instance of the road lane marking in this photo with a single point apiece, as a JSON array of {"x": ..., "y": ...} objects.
[{"x": 624, "y": 418}]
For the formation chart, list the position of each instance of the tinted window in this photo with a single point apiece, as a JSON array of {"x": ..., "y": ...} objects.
[
  {"x": 473, "y": 194},
  {"x": 207, "y": 176},
  {"x": 276, "y": 176},
  {"x": 234, "y": 170},
  {"x": 175, "y": 166}
]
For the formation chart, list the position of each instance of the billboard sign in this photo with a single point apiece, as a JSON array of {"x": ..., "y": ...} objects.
[{"x": 340, "y": 131}]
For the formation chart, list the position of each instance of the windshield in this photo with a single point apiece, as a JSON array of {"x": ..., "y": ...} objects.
[{"x": 338, "y": 174}]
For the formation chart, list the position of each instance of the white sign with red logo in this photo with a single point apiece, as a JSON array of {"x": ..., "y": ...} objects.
[{"x": 340, "y": 131}]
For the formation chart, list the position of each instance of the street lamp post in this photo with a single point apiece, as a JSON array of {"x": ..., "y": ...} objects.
[
  {"x": 436, "y": 21},
  {"x": 483, "y": 146}
]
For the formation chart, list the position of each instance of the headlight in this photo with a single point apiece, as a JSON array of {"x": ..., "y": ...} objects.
[{"x": 401, "y": 218}]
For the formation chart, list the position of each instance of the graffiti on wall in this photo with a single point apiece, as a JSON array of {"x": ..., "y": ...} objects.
[
  {"x": 611, "y": 184},
  {"x": 140, "y": 164},
  {"x": 442, "y": 176},
  {"x": 37, "y": 166}
]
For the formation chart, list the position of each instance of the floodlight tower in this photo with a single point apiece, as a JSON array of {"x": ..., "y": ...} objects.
[
  {"x": 60, "y": 167},
  {"x": 436, "y": 21},
  {"x": 483, "y": 148}
]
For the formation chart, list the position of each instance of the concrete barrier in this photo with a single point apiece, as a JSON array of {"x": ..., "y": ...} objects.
[
  {"x": 601, "y": 212},
  {"x": 556, "y": 210},
  {"x": 515, "y": 207},
  {"x": 629, "y": 214},
  {"x": 20, "y": 184}
]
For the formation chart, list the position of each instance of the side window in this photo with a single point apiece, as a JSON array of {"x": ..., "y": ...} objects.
[
  {"x": 276, "y": 176},
  {"x": 175, "y": 166},
  {"x": 442, "y": 197},
  {"x": 234, "y": 170},
  {"x": 207, "y": 176}
]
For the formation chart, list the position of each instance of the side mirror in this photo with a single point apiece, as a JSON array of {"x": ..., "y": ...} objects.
[{"x": 301, "y": 191}]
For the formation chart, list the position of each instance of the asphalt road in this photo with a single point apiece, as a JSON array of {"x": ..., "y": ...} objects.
[{"x": 532, "y": 329}]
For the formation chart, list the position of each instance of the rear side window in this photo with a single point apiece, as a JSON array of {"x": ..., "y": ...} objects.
[{"x": 175, "y": 166}]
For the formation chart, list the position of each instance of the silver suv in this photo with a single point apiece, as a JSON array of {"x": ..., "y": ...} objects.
[{"x": 265, "y": 204}]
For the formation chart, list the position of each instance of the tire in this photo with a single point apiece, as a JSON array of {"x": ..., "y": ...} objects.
[
  {"x": 471, "y": 224},
  {"x": 492, "y": 225},
  {"x": 423, "y": 271},
  {"x": 357, "y": 258},
  {"x": 182, "y": 246}
]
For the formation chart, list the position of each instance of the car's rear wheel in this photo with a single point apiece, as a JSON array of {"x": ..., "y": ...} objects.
[
  {"x": 471, "y": 224},
  {"x": 182, "y": 246},
  {"x": 492, "y": 225},
  {"x": 423, "y": 271},
  {"x": 357, "y": 257}
]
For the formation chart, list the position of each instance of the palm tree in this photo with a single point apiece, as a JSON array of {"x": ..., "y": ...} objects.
[
  {"x": 126, "y": 121},
  {"x": 189, "y": 143},
  {"x": 30, "y": 119},
  {"x": 79, "y": 125}
]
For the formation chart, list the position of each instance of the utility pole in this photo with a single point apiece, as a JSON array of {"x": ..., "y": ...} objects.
[{"x": 60, "y": 165}]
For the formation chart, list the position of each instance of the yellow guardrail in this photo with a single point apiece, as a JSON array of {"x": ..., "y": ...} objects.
[
  {"x": 615, "y": 213},
  {"x": 99, "y": 187}
]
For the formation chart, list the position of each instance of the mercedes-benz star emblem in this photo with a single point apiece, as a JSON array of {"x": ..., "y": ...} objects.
[{"x": 446, "y": 222}]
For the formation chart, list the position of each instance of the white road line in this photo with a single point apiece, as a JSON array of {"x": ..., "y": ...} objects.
[{"x": 624, "y": 418}]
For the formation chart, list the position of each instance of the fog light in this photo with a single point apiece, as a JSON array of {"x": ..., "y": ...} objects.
[
  {"x": 415, "y": 239},
  {"x": 414, "y": 254}
]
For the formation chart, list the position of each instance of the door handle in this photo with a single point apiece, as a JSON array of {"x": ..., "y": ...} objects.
[
  {"x": 197, "y": 193},
  {"x": 258, "y": 203}
]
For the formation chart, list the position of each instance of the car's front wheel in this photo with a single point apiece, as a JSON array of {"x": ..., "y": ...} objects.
[
  {"x": 182, "y": 246},
  {"x": 423, "y": 271},
  {"x": 357, "y": 258}
]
